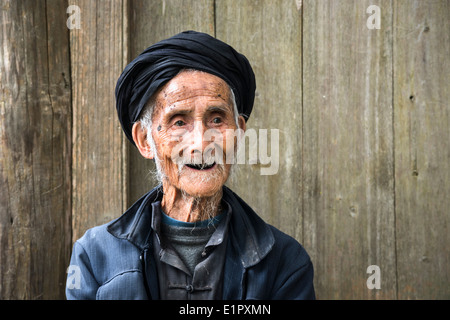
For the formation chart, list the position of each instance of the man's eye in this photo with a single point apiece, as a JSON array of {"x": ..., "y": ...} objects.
[
  {"x": 217, "y": 120},
  {"x": 179, "y": 123}
]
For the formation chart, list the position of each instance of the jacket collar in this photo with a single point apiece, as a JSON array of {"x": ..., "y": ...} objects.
[
  {"x": 250, "y": 235},
  {"x": 253, "y": 238}
]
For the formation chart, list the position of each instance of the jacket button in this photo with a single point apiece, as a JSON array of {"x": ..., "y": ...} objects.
[{"x": 189, "y": 288}]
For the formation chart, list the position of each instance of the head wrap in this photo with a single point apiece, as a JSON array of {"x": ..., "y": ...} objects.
[{"x": 162, "y": 61}]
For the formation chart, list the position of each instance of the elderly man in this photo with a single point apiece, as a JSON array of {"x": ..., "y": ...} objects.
[{"x": 180, "y": 103}]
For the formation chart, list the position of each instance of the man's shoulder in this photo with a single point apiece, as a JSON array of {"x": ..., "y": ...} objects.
[
  {"x": 262, "y": 237},
  {"x": 97, "y": 234},
  {"x": 120, "y": 228},
  {"x": 98, "y": 237},
  {"x": 289, "y": 246}
]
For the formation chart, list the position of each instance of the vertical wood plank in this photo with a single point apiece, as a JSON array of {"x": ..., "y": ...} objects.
[
  {"x": 35, "y": 150},
  {"x": 97, "y": 53},
  {"x": 422, "y": 148},
  {"x": 151, "y": 22},
  {"x": 348, "y": 148},
  {"x": 268, "y": 33}
]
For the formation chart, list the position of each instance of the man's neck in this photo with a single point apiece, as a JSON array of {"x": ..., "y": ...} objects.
[{"x": 183, "y": 207}]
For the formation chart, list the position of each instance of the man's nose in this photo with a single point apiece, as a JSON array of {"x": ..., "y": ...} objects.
[{"x": 197, "y": 141}]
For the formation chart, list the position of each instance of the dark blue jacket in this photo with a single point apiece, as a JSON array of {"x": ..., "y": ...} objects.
[{"x": 114, "y": 261}]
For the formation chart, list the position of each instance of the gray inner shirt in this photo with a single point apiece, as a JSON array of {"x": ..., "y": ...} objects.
[
  {"x": 191, "y": 256},
  {"x": 189, "y": 243}
]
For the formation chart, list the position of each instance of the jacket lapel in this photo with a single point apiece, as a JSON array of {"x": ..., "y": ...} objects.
[
  {"x": 135, "y": 224},
  {"x": 253, "y": 237},
  {"x": 250, "y": 240},
  {"x": 234, "y": 273}
]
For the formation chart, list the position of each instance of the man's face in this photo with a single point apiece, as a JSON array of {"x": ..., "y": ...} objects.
[{"x": 192, "y": 121}]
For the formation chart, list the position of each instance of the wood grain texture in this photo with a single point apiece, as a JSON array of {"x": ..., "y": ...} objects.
[
  {"x": 151, "y": 22},
  {"x": 348, "y": 163},
  {"x": 97, "y": 57},
  {"x": 422, "y": 148},
  {"x": 35, "y": 150}
]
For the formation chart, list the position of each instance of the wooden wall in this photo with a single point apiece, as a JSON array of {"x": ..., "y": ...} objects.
[
  {"x": 363, "y": 119},
  {"x": 35, "y": 150}
]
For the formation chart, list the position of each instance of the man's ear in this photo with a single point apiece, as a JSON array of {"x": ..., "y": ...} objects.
[
  {"x": 140, "y": 140},
  {"x": 242, "y": 124}
]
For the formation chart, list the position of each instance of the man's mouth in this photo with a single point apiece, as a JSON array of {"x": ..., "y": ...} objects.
[{"x": 202, "y": 166}]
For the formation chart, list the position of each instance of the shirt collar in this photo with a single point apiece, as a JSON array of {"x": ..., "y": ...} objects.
[{"x": 216, "y": 238}]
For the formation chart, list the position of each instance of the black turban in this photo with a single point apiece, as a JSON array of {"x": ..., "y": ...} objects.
[{"x": 162, "y": 61}]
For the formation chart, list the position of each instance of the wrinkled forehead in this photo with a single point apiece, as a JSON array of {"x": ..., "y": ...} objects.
[{"x": 189, "y": 85}]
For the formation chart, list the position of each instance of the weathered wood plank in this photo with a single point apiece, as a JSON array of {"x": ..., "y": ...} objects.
[
  {"x": 35, "y": 150},
  {"x": 154, "y": 21},
  {"x": 422, "y": 148},
  {"x": 348, "y": 148},
  {"x": 97, "y": 54},
  {"x": 269, "y": 34}
]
